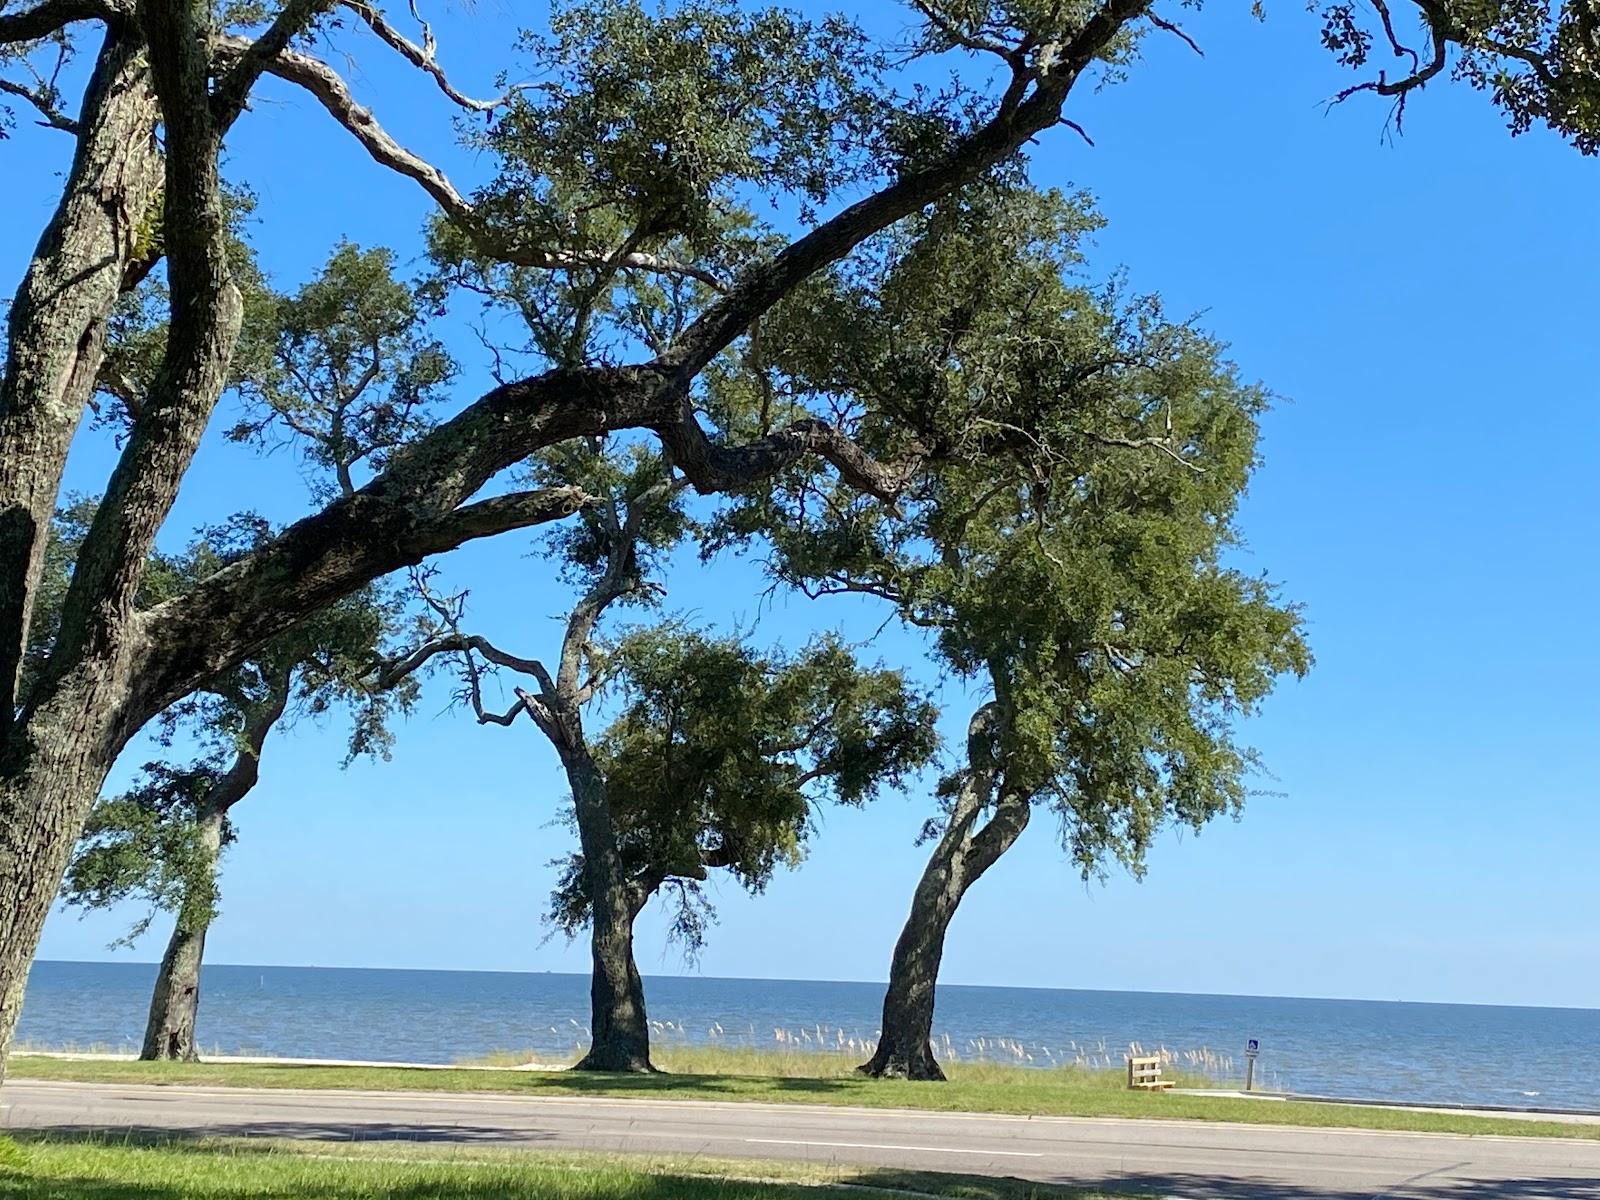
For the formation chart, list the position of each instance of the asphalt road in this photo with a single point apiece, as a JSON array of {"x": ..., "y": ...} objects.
[{"x": 1180, "y": 1159}]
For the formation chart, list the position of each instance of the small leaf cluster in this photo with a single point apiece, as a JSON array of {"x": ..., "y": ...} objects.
[
  {"x": 145, "y": 845},
  {"x": 658, "y": 120}
]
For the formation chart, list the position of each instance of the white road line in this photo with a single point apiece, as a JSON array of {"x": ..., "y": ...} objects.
[{"x": 882, "y": 1146}]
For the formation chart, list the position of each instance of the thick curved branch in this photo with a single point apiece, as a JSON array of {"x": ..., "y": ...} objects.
[
  {"x": 397, "y": 669},
  {"x": 999, "y": 832},
  {"x": 410, "y": 510},
  {"x": 42, "y": 20},
  {"x": 260, "y": 719},
  {"x": 329, "y": 89},
  {"x": 764, "y": 286},
  {"x": 716, "y": 468},
  {"x": 356, "y": 539},
  {"x": 501, "y": 514}
]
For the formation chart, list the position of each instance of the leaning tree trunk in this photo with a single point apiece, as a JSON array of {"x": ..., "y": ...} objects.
[
  {"x": 619, "y": 1027},
  {"x": 50, "y": 776},
  {"x": 905, "y": 1043},
  {"x": 56, "y": 749},
  {"x": 175, "y": 1002},
  {"x": 57, "y": 322},
  {"x": 49, "y": 779}
]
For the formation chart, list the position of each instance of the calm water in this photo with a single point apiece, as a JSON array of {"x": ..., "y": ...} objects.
[{"x": 1444, "y": 1052}]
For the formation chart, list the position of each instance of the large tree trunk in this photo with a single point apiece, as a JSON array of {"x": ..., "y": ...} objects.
[
  {"x": 50, "y": 776},
  {"x": 619, "y": 1028},
  {"x": 48, "y": 782},
  {"x": 175, "y": 1002},
  {"x": 56, "y": 325},
  {"x": 959, "y": 859},
  {"x": 83, "y": 706},
  {"x": 905, "y": 1043}
]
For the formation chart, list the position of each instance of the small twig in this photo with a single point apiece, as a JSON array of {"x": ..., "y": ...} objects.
[
  {"x": 53, "y": 117},
  {"x": 1148, "y": 443}
]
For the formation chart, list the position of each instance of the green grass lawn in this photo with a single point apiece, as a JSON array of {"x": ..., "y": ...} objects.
[
  {"x": 972, "y": 1088},
  {"x": 88, "y": 1169}
]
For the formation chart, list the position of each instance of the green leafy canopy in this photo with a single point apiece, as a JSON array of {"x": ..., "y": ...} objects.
[
  {"x": 720, "y": 755},
  {"x": 1068, "y": 548}
]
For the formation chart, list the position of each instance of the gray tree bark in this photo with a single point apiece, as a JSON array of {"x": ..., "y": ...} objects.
[
  {"x": 960, "y": 858},
  {"x": 57, "y": 746},
  {"x": 619, "y": 1028},
  {"x": 175, "y": 1000},
  {"x": 56, "y": 326}
]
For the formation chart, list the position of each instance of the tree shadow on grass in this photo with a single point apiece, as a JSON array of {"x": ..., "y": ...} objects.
[
  {"x": 483, "y": 1177},
  {"x": 298, "y": 1129},
  {"x": 17, "y": 1186},
  {"x": 1182, "y": 1186},
  {"x": 594, "y": 1082},
  {"x": 646, "y": 1182}
]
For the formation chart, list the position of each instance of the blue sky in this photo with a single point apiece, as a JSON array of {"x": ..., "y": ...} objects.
[{"x": 1425, "y": 308}]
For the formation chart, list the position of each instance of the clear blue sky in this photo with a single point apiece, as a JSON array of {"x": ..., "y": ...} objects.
[{"x": 1428, "y": 311}]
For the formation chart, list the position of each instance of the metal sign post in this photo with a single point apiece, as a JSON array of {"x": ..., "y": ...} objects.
[{"x": 1251, "y": 1049}]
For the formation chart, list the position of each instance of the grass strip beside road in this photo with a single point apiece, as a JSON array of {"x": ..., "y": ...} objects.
[
  {"x": 979, "y": 1089},
  {"x": 54, "y": 1168}
]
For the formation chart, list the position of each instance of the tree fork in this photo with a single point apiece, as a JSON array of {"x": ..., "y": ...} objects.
[{"x": 959, "y": 859}]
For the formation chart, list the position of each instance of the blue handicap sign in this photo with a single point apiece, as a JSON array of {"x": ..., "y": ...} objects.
[{"x": 1252, "y": 1047}]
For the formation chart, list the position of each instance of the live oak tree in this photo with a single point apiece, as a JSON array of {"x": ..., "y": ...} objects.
[
  {"x": 718, "y": 760},
  {"x": 161, "y": 841},
  {"x": 646, "y": 139},
  {"x": 345, "y": 370},
  {"x": 1080, "y": 586},
  {"x": 718, "y": 753}
]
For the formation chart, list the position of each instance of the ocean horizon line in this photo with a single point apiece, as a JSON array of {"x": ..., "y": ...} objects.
[{"x": 758, "y": 979}]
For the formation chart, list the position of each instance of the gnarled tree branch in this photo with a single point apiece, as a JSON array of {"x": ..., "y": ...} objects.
[
  {"x": 42, "y": 20},
  {"x": 408, "y": 511},
  {"x": 329, "y": 89},
  {"x": 51, "y": 116},
  {"x": 421, "y": 56}
]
